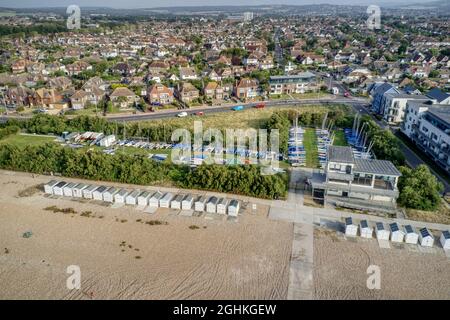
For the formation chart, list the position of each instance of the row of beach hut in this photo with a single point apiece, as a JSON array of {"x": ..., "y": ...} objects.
[
  {"x": 143, "y": 198},
  {"x": 394, "y": 233}
]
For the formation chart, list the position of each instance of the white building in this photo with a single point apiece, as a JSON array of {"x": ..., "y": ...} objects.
[
  {"x": 68, "y": 189},
  {"x": 108, "y": 195},
  {"x": 365, "y": 230},
  {"x": 98, "y": 193},
  {"x": 211, "y": 206},
  {"x": 154, "y": 200},
  {"x": 381, "y": 232},
  {"x": 88, "y": 191},
  {"x": 222, "y": 205},
  {"x": 143, "y": 198},
  {"x": 58, "y": 189},
  {"x": 187, "y": 202},
  {"x": 411, "y": 236},
  {"x": 351, "y": 229},
  {"x": 131, "y": 198},
  {"x": 445, "y": 240},
  {"x": 120, "y": 196},
  {"x": 397, "y": 235},
  {"x": 233, "y": 208},
  {"x": 78, "y": 190},
  {"x": 199, "y": 204},
  {"x": 164, "y": 202},
  {"x": 176, "y": 202},
  {"x": 426, "y": 239},
  {"x": 48, "y": 187}
]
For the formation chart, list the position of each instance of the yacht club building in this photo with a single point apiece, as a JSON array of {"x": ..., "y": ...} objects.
[{"x": 356, "y": 183}]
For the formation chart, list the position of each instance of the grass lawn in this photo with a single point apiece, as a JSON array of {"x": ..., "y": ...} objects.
[
  {"x": 339, "y": 139},
  {"x": 441, "y": 215},
  {"x": 26, "y": 140},
  {"x": 310, "y": 143}
]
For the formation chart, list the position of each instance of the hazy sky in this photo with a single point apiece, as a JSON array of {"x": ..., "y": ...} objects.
[{"x": 171, "y": 3}]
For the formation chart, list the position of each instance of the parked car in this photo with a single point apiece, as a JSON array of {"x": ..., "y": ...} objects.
[
  {"x": 238, "y": 108},
  {"x": 260, "y": 106},
  {"x": 182, "y": 114},
  {"x": 200, "y": 113}
]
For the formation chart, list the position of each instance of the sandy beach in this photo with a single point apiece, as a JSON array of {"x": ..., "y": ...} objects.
[
  {"x": 340, "y": 269},
  {"x": 123, "y": 255}
]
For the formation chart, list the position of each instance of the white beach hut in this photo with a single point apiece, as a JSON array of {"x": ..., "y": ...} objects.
[
  {"x": 78, "y": 190},
  {"x": 164, "y": 202},
  {"x": 108, "y": 195},
  {"x": 98, "y": 193},
  {"x": 58, "y": 189},
  {"x": 131, "y": 198},
  {"x": 154, "y": 200},
  {"x": 200, "y": 204},
  {"x": 143, "y": 198},
  {"x": 381, "y": 232},
  {"x": 211, "y": 205},
  {"x": 176, "y": 202},
  {"x": 233, "y": 208},
  {"x": 445, "y": 239},
  {"x": 222, "y": 205},
  {"x": 87, "y": 192},
  {"x": 187, "y": 202},
  {"x": 411, "y": 236},
  {"x": 351, "y": 229},
  {"x": 120, "y": 196},
  {"x": 365, "y": 230},
  {"x": 426, "y": 239},
  {"x": 48, "y": 187},
  {"x": 397, "y": 235},
  {"x": 68, "y": 189}
]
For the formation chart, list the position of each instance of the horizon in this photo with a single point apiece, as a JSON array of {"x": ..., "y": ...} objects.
[{"x": 142, "y": 4}]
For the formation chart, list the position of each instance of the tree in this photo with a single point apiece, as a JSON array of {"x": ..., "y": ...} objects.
[{"x": 419, "y": 189}]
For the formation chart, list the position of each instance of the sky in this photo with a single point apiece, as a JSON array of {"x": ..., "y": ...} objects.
[{"x": 172, "y": 3}]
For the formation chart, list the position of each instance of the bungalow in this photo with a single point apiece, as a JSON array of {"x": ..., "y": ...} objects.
[
  {"x": 187, "y": 92},
  {"x": 188, "y": 73},
  {"x": 123, "y": 97}
]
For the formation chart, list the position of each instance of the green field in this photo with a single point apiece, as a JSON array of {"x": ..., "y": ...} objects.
[
  {"x": 339, "y": 139},
  {"x": 26, "y": 140},
  {"x": 310, "y": 143}
]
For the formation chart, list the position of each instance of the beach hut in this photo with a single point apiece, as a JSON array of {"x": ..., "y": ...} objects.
[
  {"x": 143, "y": 198},
  {"x": 120, "y": 196},
  {"x": 131, "y": 198},
  {"x": 233, "y": 208},
  {"x": 77, "y": 191},
  {"x": 222, "y": 205},
  {"x": 48, "y": 187},
  {"x": 164, "y": 202},
  {"x": 397, "y": 235},
  {"x": 58, "y": 189},
  {"x": 411, "y": 235},
  {"x": 87, "y": 192},
  {"x": 426, "y": 239},
  {"x": 445, "y": 239},
  {"x": 108, "y": 195},
  {"x": 187, "y": 202},
  {"x": 381, "y": 232},
  {"x": 351, "y": 229},
  {"x": 68, "y": 189},
  {"x": 176, "y": 202},
  {"x": 154, "y": 200},
  {"x": 211, "y": 206},
  {"x": 365, "y": 230},
  {"x": 200, "y": 204},
  {"x": 98, "y": 193}
]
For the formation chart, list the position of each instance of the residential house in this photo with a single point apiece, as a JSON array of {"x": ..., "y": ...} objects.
[
  {"x": 186, "y": 92},
  {"x": 247, "y": 89},
  {"x": 188, "y": 73},
  {"x": 213, "y": 91},
  {"x": 300, "y": 83},
  {"x": 123, "y": 97},
  {"x": 159, "y": 94}
]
